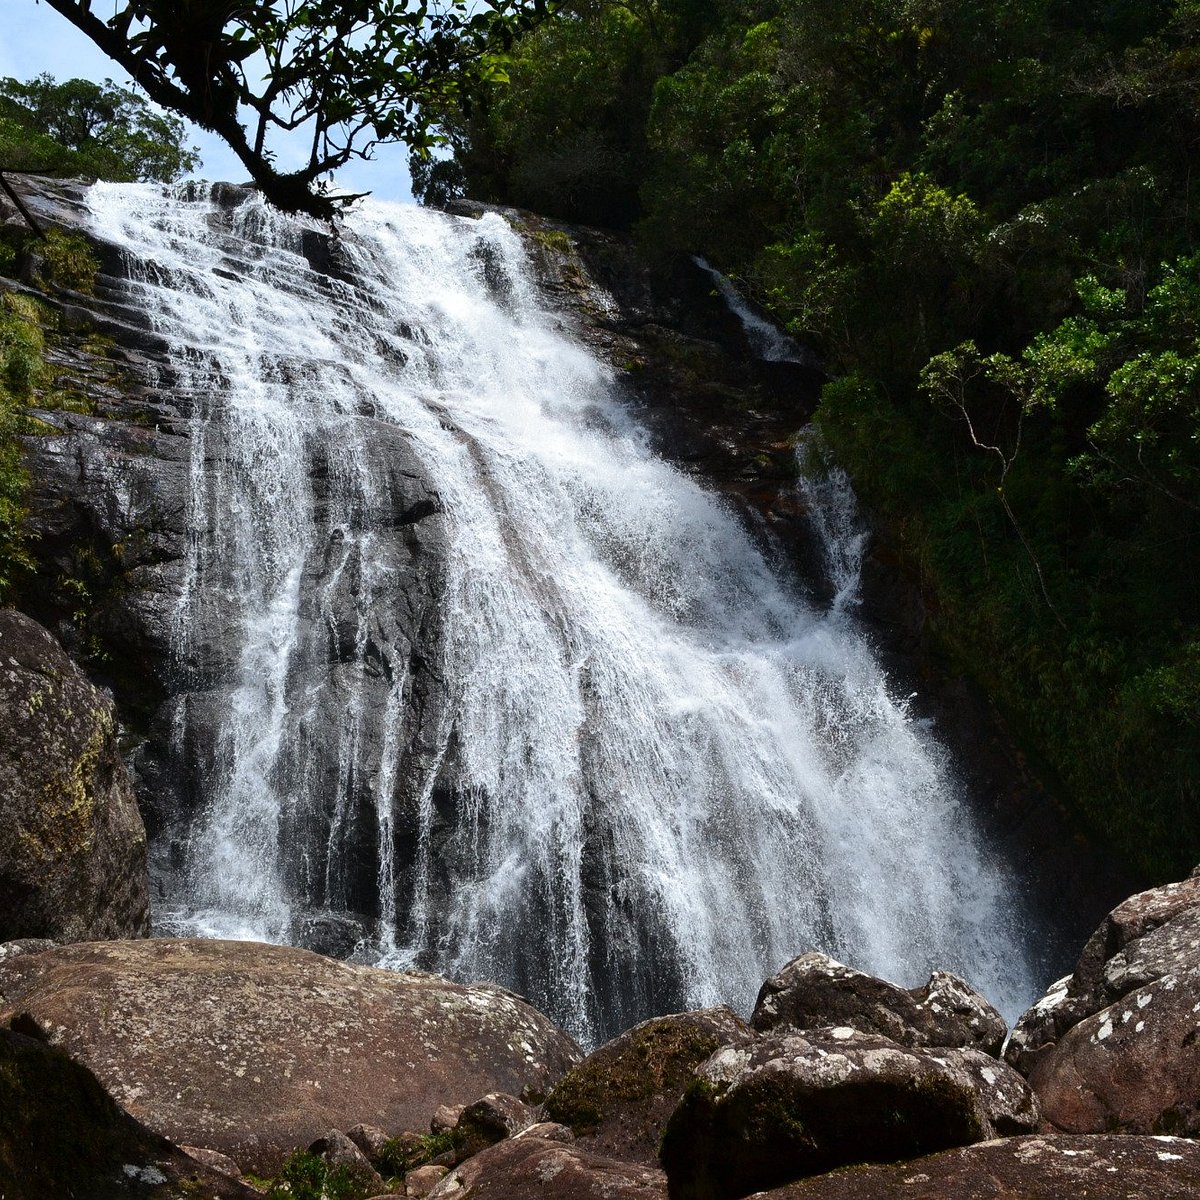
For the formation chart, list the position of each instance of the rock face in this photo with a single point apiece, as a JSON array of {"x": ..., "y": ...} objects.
[
  {"x": 253, "y": 1050},
  {"x": 62, "y": 1135},
  {"x": 618, "y": 1100},
  {"x": 794, "y": 1105},
  {"x": 112, "y": 513},
  {"x": 814, "y": 991},
  {"x": 1023, "y": 1168},
  {"x": 72, "y": 844},
  {"x": 1113, "y": 1047},
  {"x": 532, "y": 1168}
]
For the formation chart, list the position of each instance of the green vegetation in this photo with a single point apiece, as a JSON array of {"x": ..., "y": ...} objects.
[
  {"x": 95, "y": 130},
  {"x": 26, "y": 379},
  {"x": 348, "y": 75},
  {"x": 21, "y": 369},
  {"x": 979, "y": 212},
  {"x": 401, "y": 1155}
]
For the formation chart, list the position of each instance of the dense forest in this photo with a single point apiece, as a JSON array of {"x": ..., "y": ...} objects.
[{"x": 979, "y": 214}]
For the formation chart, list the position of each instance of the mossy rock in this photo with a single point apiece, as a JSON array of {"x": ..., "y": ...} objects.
[
  {"x": 619, "y": 1098},
  {"x": 72, "y": 842}
]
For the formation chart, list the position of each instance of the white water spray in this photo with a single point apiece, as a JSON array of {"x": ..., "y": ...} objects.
[{"x": 656, "y": 773}]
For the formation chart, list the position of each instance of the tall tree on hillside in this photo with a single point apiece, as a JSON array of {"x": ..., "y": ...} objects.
[
  {"x": 85, "y": 128},
  {"x": 350, "y": 73}
]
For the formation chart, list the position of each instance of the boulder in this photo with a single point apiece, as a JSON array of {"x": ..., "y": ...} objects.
[
  {"x": 252, "y": 1050},
  {"x": 532, "y": 1168},
  {"x": 815, "y": 991},
  {"x": 337, "y": 1151},
  {"x": 445, "y": 1117},
  {"x": 796, "y": 1104},
  {"x": 489, "y": 1120},
  {"x": 423, "y": 1180},
  {"x": 214, "y": 1160},
  {"x": 1050, "y": 1167},
  {"x": 1145, "y": 937},
  {"x": 370, "y": 1139},
  {"x": 550, "y": 1131},
  {"x": 61, "y": 1134},
  {"x": 1112, "y": 1048},
  {"x": 72, "y": 843},
  {"x": 618, "y": 1100},
  {"x": 1133, "y": 1067}
]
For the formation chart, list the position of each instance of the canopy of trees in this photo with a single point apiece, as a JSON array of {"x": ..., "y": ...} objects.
[
  {"x": 349, "y": 73},
  {"x": 979, "y": 211},
  {"x": 91, "y": 129}
]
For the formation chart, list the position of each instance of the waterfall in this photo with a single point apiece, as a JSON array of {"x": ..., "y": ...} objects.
[
  {"x": 766, "y": 340},
  {"x": 460, "y": 660}
]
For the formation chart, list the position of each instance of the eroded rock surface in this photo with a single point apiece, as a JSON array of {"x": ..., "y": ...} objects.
[
  {"x": 618, "y": 1100},
  {"x": 253, "y": 1050},
  {"x": 814, "y": 991},
  {"x": 1024, "y": 1168},
  {"x": 72, "y": 844},
  {"x": 794, "y": 1105}
]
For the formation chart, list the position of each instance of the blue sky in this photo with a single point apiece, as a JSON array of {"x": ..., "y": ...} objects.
[{"x": 34, "y": 38}]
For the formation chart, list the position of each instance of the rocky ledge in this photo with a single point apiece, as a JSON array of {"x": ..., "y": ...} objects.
[{"x": 366, "y": 1083}]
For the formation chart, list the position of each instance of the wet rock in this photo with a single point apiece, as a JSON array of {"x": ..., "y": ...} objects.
[
  {"x": 491, "y": 1119},
  {"x": 815, "y": 991},
  {"x": 72, "y": 844},
  {"x": 1047, "y": 1167},
  {"x": 531, "y": 1168},
  {"x": 794, "y": 1105},
  {"x": 252, "y": 1050},
  {"x": 618, "y": 1100},
  {"x": 62, "y": 1135},
  {"x": 337, "y": 1151},
  {"x": 110, "y": 512}
]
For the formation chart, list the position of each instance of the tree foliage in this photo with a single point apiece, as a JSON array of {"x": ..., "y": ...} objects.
[
  {"x": 348, "y": 73},
  {"x": 91, "y": 129},
  {"x": 980, "y": 213}
]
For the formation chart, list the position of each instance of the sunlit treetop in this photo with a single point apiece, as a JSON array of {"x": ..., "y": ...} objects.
[{"x": 349, "y": 74}]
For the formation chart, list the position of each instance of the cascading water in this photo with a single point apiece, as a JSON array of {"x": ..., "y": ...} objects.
[{"x": 613, "y": 760}]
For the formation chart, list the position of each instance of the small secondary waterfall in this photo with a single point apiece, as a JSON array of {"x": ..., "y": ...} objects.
[{"x": 612, "y": 759}]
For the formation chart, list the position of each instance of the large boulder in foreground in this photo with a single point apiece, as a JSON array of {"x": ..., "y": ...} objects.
[
  {"x": 800, "y": 1104},
  {"x": 61, "y": 1134},
  {"x": 72, "y": 844},
  {"x": 618, "y": 1100},
  {"x": 253, "y": 1050},
  {"x": 815, "y": 991},
  {"x": 1056, "y": 1167},
  {"x": 529, "y": 1167},
  {"x": 1113, "y": 1047}
]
